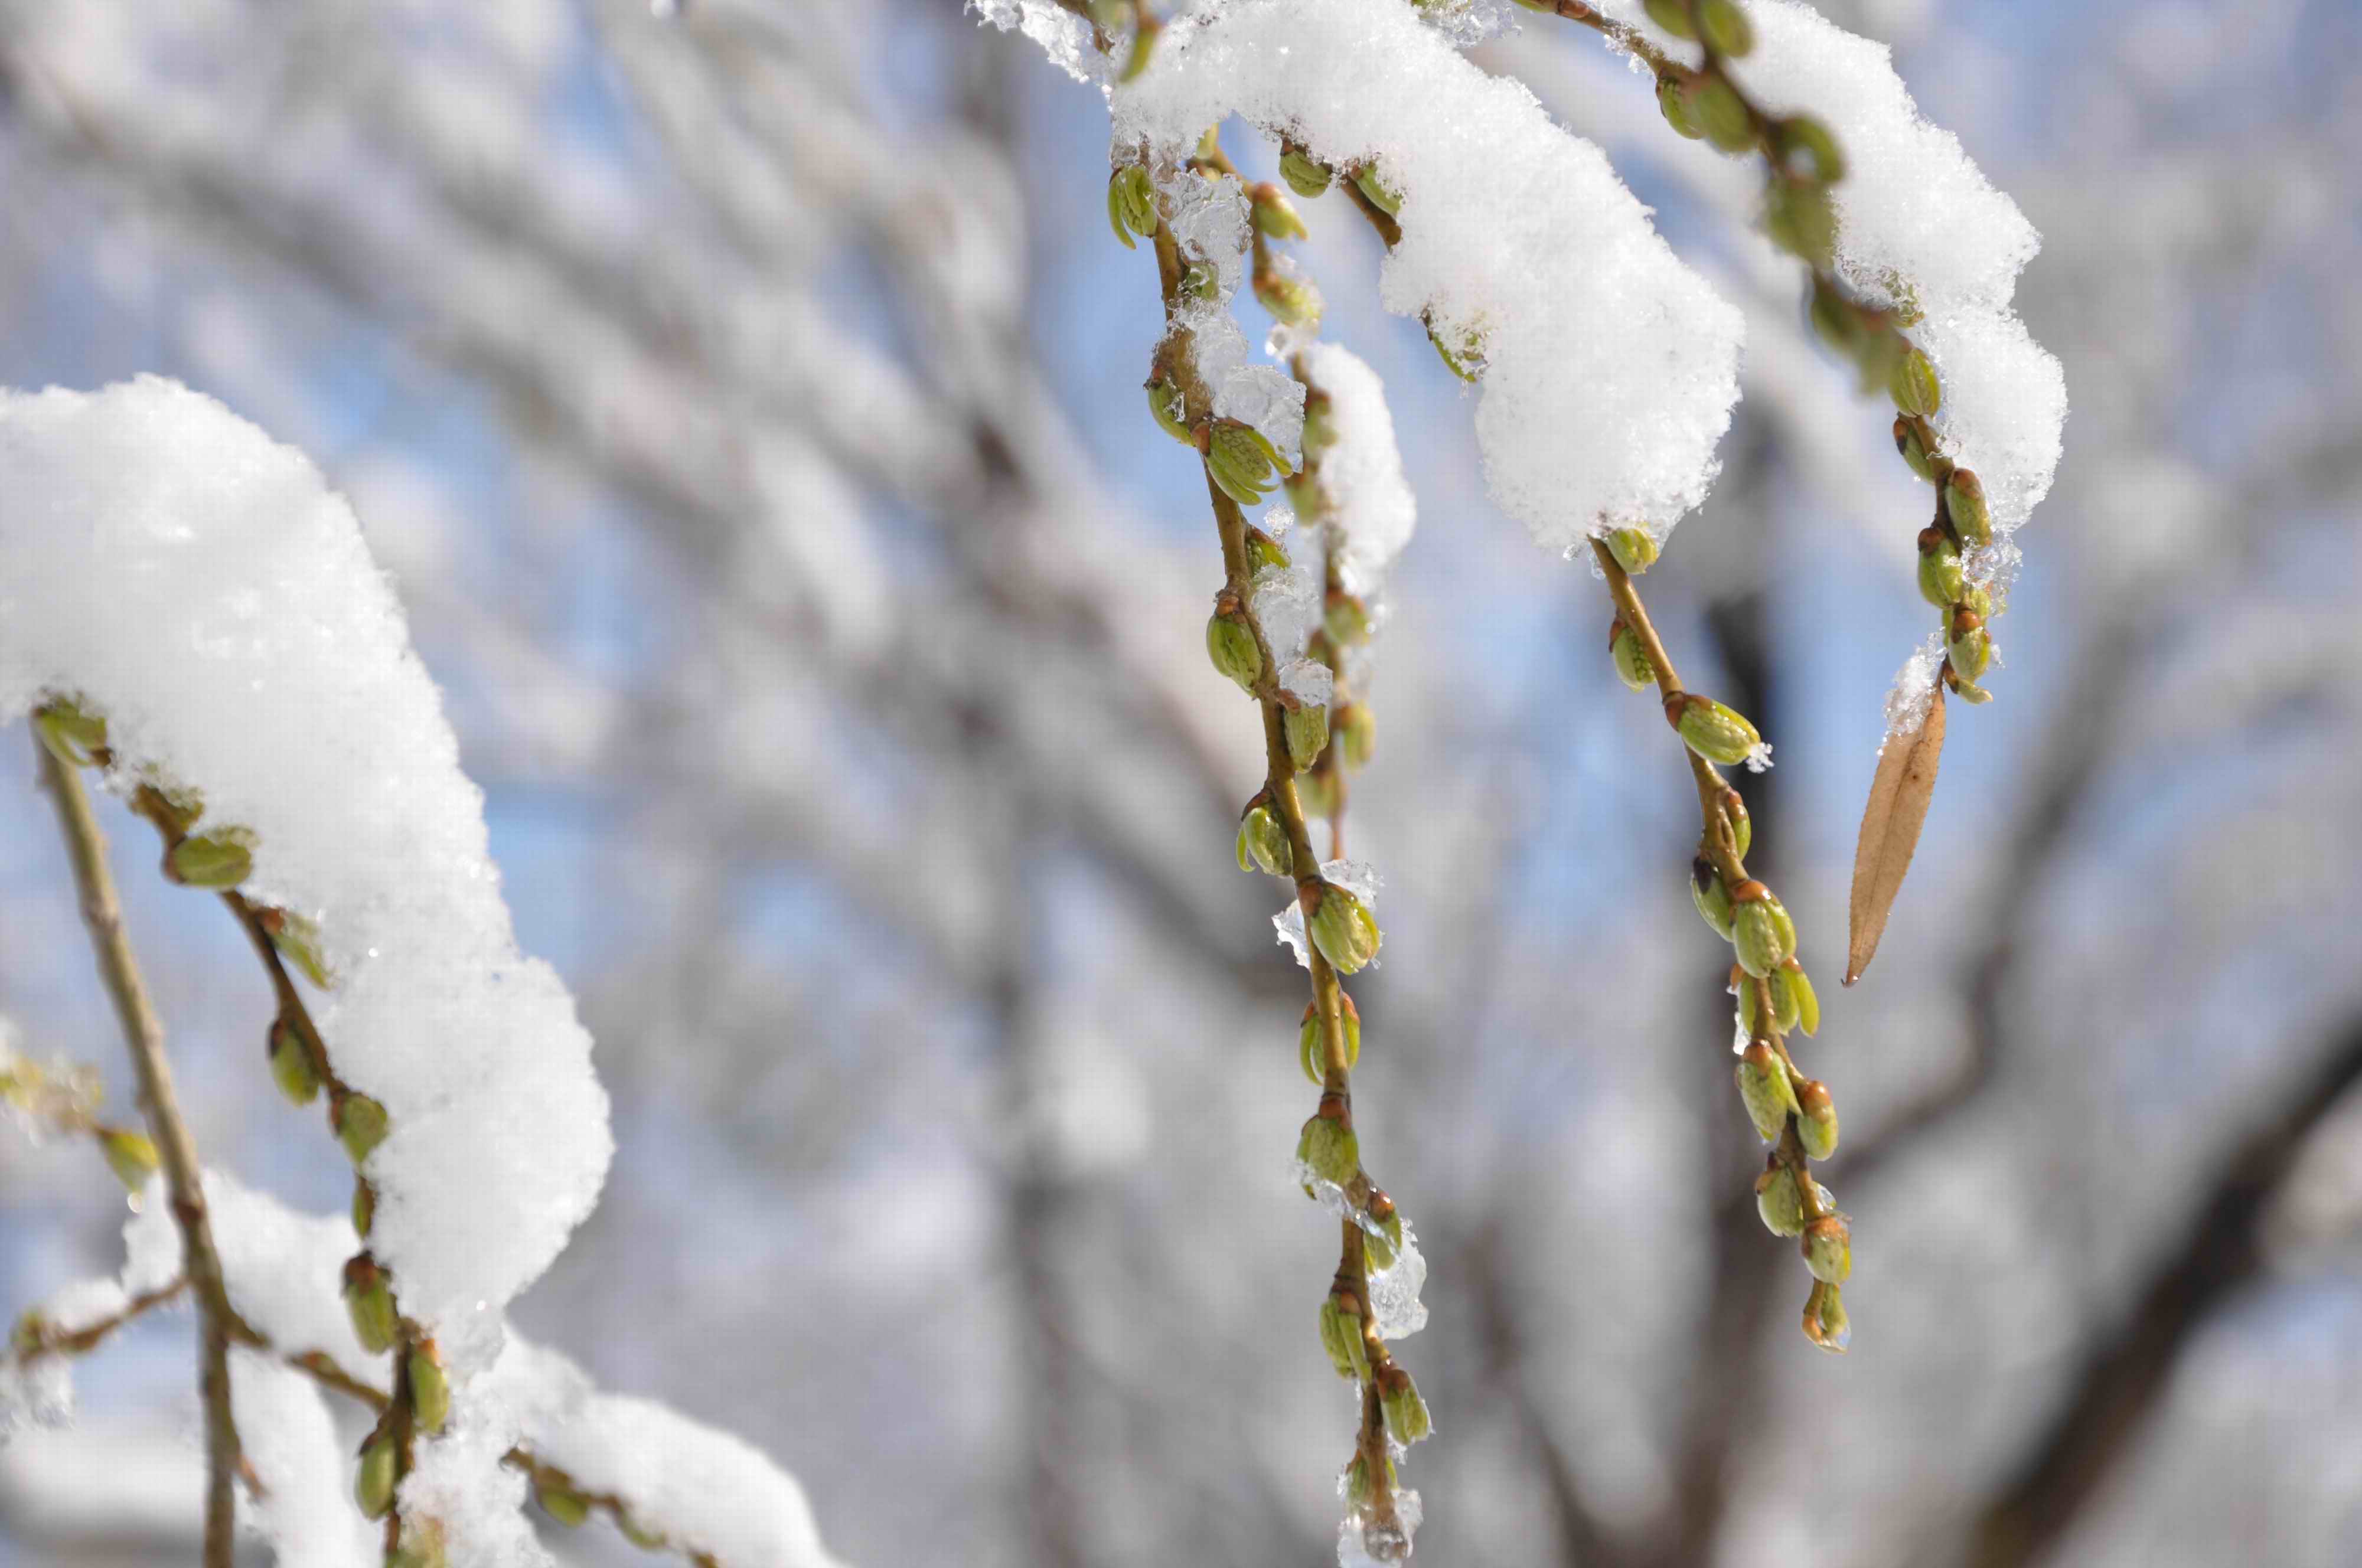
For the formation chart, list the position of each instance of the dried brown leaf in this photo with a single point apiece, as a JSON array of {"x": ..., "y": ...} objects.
[{"x": 1899, "y": 793}]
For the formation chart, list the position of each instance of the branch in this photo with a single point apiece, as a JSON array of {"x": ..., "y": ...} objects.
[{"x": 143, "y": 1034}]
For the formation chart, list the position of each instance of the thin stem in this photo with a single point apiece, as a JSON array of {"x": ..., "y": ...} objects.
[{"x": 143, "y": 1034}]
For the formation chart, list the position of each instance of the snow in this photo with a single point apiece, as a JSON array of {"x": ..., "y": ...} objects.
[
  {"x": 1370, "y": 508},
  {"x": 200, "y": 586},
  {"x": 303, "y": 1508}
]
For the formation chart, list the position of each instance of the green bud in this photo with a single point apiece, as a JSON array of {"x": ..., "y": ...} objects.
[
  {"x": 1808, "y": 1004},
  {"x": 1713, "y": 730},
  {"x": 1836, "y": 319},
  {"x": 1913, "y": 385},
  {"x": 1940, "y": 582},
  {"x": 370, "y": 1303},
  {"x": 1799, "y": 220},
  {"x": 1358, "y": 729},
  {"x": 1345, "y": 929},
  {"x": 1977, "y": 601},
  {"x": 1202, "y": 280},
  {"x": 1340, "y": 1336},
  {"x": 1316, "y": 793},
  {"x": 222, "y": 859},
  {"x": 1635, "y": 549},
  {"x": 1673, "y": 15},
  {"x": 1712, "y": 899},
  {"x": 1875, "y": 352},
  {"x": 1783, "y": 999},
  {"x": 1345, "y": 619},
  {"x": 1720, "y": 113},
  {"x": 1263, "y": 553},
  {"x": 1274, "y": 214},
  {"x": 1372, "y": 184},
  {"x": 1357, "y": 1481},
  {"x": 1825, "y": 1319},
  {"x": 1970, "y": 645},
  {"x": 1231, "y": 644},
  {"x": 1262, "y": 840},
  {"x": 364, "y": 1207},
  {"x": 1816, "y": 1118},
  {"x": 1290, "y": 298},
  {"x": 1130, "y": 202},
  {"x": 130, "y": 1155},
  {"x": 1406, "y": 1412},
  {"x": 1829, "y": 1249},
  {"x": 1964, "y": 503},
  {"x": 566, "y": 1506},
  {"x": 1170, "y": 409},
  {"x": 1970, "y": 692},
  {"x": 74, "y": 736},
  {"x": 1382, "y": 1245},
  {"x": 1915, "y": 452},
  {"x": 430, "y": 1390},
  {"x": 1674, "y": 102},
  {"x": 1240, "y": 461},
  {"x": 1763, "y": 1085},
  {"x": 290, "y": 1064},
  {"x": 1631, "y": 661},
  {"x": 373, "y": 1487},
  {"x": 1327, "y": 1148},
  {"x": 645, "y": 1537},
  {"x": 1305, "y": 175},
  {"x": 1780, "y": 1202},
  {"x": 1143, "y": 46},
  {"x": 1312, "y": 1050},
  {"x": 1807, "y": 150},
  {"x": 1742, "y": 826},
  {"x": 1307, "y": 728},
  {"x": 297, "y": 940},
  {"x": 1724, "y": 27},
  {"x": 361, "y": 1124},
  {"x": 1319, "y": 429},
  {"x": 1760, "y": 929}
]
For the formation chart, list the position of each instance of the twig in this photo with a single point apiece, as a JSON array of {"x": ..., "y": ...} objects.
[{"x": 143, "y": 1033}]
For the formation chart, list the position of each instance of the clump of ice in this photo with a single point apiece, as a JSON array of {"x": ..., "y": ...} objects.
[
  {"x": 1064, "y": 36},
  {"x": 1286, "y": 601},
  {"x": 1610, "y": 368},
  {"x": 1370, "y": 508},
  {"x": 1209, "y": 217},
  {"x": 201, "y": 587},
  {"x": 1356, "y": 877},
  {"x": 1362, "y": 1545},
  {"x": 1395, "y": 1292}
]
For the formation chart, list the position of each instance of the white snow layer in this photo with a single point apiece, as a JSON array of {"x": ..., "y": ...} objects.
[
  {"x": 303, "y": 1508},
  {"x": 201, "y": 587},
  {"x": 1371, "y": 507}
]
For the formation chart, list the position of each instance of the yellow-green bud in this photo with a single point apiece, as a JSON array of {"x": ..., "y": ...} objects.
[
  {"x": 1317, "y": 792},
  {"x": 1724, "y": 27},
  {"x": 1829, "y": 1249},
  {"x": 130, "y": 1155},
  {"x": 1262, "y": 840},
  {"x": 1231, "y": 644},
  {"x": 1382, "y": 1245},
  {"x": 1130, "y": 202},
  {"x": 1274, "y": 214},
  {"x": 1345, "y": 929},
  {"x": 1780, "y": 1201},
  {"x": 1143, "y": 46},
  {"x": 1913, "y": 385},
  {"x": 1357, "y": 1481},
  {"x": 28, "y": 1335},
  {"x": 1940, "y": 582},
  {"x": 1714, "y": 732},
  {"x": 1466, "y": 360},
  {"x": 1800, "y": 985},
  {"x": 1783, "y": 999},
  {"x": 373, "y": 1486},
  {"x": 1673, "y": 15},
  {"x": 1406, "y": 1412},
  {"x": 1382, "y": 196},
  {"x": 1807, "y": 150},
  {"x": 1357, "y": 727},
  {"x": 364, "y": 1207},
  {"x": 1712, "y": 899},
  {"x": 1263, "y": 553},
  {"x": 75, "y": 736},
  {"x": 361, "y": 1124},
  {"x": 1290, "y": 298},
  {"x": 1742, "y": 826},
  {"x": 430, "y": 1390},
  {"x": 1799, "y": 220},
  {"x": 297, "y": 940},
  {"x": 1836, "y": 319},
  {"x": 646, "y": 1537},
  {"x": 1307, "y": 728},
  {"x": 1635, "y": 549},
  {"x": 1306, "y": 175},
  {"x": 1764, "y": 1085},
  {"x": 1760, "y": 929},
  {"x": 290, "y": 1064},
  {"x": 1345, "y": 619},
  {"x": 1964, "y": 503},
  {"x": 1313, "y": 1050},
  {"x": 1631, "y": 661},
  {"x": 1340, "y": 1336},
  {"x": 1240, "y": 461},
  {"x": 566, "y": 1506},
  {"x": 370, "y": 1303},
  {"x": 1816, "y": 1118},
  {"x": 1720, "y": 113},
  {"x": 1169, "y": 408},
  {"x": 1977, "y": 601},
  {"x": 1327, "y": 1148},
  {"x": 1825, "y": 1319},
  {"x": 1915, "y": 452},
  {"x": 1674, "y": 102},
  {"x": 1200, "y": 281},
  {"x": 222, "y": 859},
  {"x": 1970, "y": 645}
]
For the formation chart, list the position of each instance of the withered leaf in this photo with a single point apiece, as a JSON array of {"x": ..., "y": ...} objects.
[{"x": 1899, "y": 793}]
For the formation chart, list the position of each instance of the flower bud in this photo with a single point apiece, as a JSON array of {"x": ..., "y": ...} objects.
[
  {"x": 1169, "y": 408},
  {"x": 1964, "y": 503},
  {"x": 1712, "y": 899},
  {"x": 1674, "y": 102},
  {"x": 1130, "y": 202},
  {"x": 222, "y": 859},
  {"x": 373, "y": 1486},
  {"x": 1940, "y": 582},
  {"x": 1307, "y": 728},
  {"x": 1977, "y": 601},
  {"x": 1742, "y": 826},
  {"x": 1970, "y": 647},
  {"x": 647, "y": 1538},
  {"x": 76, "y": 737},
  {"x": 1760, "y": 929},
  {"x": 1825, "y": 1319},
  {"x": 1262, "y": 840},
  {"x": 1673, "y": 15},
  {"x": 1714, "y": 732},
  {"x": 1915, "y": 452},
  {"x": 1800, "y": 985},
  {"x": 1345, "y": 618},
  {"x": 1799, "y": 220},
  {"x": 1914, "y": 386},
  {"x": 1231, "y": 644},
  {"x": 1635, "y": 549},
  {"x": 1313, "y": 1050},
  {"x": 1724, "y": 27},
  {"x": 368, "y": 1301},
  {"x": 290, "y": 1064},
  {"x": 1274, "y": 214},
  {"x": 1327, "y": 1148},
  {"x": 1406, "y": 1412},
  {"x": 1340, "y": 1336},
  {"x": 1288, "y": 296},
  {"x": 561, "y": 1503},
  {"x": 1239, "y": 461},
  {"x": 1307, "y": 176},
  {"x": 361, "y": 1124},
  {"x": 1382, "y": 1243},
  {"x": 1630, "y": 659},
  {"x": 1780, "y": 1201},
  {"x": 1382, "y": 196},
  {"x": 1345, "y": 929},
  {"x": 1720, "y": 113},
  {"x": 430, "y": 1390},
  {"x": 1807, "y": 150},
  {"x": 1763, "y": 1085},
  {"x": 130, "y": 1155},
  {"x": 1829, "y": 1249},
  {"x": 1357, "y": 727},
  {"x": 297, "y": 940},
  {"x": 1263, "y": 553},
  {"x": 1816, "y": 1118}
]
